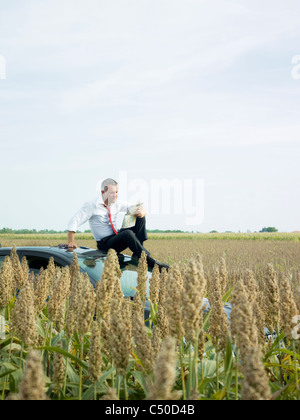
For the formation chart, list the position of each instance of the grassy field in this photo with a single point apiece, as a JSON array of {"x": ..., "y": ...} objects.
[
  {"x": 54, "y": 349},
  {"x": 241, "y": 250}
]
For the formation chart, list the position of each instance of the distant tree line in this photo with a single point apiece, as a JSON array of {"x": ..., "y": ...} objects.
[
  {"x": 269, "y": 229},
  {"x": 49, "y": 231},
  {"x": 28, "y": 231},
  {"x": 165, "y": 231}
]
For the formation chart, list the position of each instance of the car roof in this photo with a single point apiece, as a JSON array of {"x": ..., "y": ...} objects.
[{"x": 82, "y": 251}]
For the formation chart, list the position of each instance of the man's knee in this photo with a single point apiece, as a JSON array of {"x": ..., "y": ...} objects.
[{"x": 128, "y": 234}]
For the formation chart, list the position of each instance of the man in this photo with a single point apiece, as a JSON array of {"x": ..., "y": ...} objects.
[{"x": 102, "y": 216}]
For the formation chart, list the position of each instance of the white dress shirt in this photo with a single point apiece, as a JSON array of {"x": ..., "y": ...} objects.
[{"x": 97, "y": 214}]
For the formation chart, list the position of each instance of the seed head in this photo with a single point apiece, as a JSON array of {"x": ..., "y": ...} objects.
[
  {"x": 74, "y": 302},
  {"x": 142, "y": 276},
  {"x": 223, "y": 276},
  {"x": 19, "y": 277},
  {"x": 110, "y": 395},
  {"x": 6, "y": 283},
  {"x": 42, "y": 286},
  {"x": 243, "y": 328},
  {"x": 58, "y": 368},
  {"x": 218, "y": 321},
  {"x": 86, "y": 308},
  {"x": 164, "y": 373},
  {"x": 192, "y": 299},
  {"x": 142, "y": 342},
  {"x": 60, "y": 290},
  {"x": 256, "y": 384},
  {"x": 23, "y": 316},
  {"x": 74, "y": 267},
  {"x": 95, "y": 356},
  {"x": 154, "y": 285},
  {"x": 120, "y": 334},
  {"x": 32, "y": 386},
  {"x": 105, "y": 286},
  {"x": 173, "y": 302},
  {"x": 288, "y": 307},
  {"x": 272, "y": 299}
]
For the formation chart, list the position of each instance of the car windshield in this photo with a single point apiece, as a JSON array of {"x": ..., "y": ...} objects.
[{"x": 94, "y": 268}]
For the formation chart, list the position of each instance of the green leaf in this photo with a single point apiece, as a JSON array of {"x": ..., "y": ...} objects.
[
  {"x": 105, "y": 376},
  {"x": 141, "y": 379},
  {"x": 228, "y": 356},
  {"x": 228, "y": 363},
  {"x": 275, "y": 346},
  {"x": 209, "y": 368},
  {"x": 40, "y": 328},
  {"x": 64, "y": 353},
  {"x": 7, "y": 372},
  {"x": 219, "y": 395},
  {"x": 205, "y": 322},
  {"x": 284, "y": 351},
  {"x": 14, "y": 379},
  {"x": 227, "y": 295}
]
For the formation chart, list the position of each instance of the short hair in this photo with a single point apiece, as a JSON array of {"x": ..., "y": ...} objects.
[{"x": 106, "y": 183}]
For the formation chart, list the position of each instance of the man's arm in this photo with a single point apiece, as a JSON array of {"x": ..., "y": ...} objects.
[
  {"x": 141, "y": 212},
  {"x": 71, "y": 238},
  {"x": 82, "y": 216}
]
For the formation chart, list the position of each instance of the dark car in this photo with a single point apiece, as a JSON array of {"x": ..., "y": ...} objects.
[{"x": 91, "y": 261}]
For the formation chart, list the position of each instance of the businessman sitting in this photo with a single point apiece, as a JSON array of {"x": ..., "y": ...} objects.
[{"x": 102, "y": 215}]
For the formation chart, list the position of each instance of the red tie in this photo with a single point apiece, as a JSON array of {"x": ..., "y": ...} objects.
[{"x": 109, "y": 214}]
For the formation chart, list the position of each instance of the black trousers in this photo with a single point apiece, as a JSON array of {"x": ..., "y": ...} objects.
[{"x": 131, "y": 238}]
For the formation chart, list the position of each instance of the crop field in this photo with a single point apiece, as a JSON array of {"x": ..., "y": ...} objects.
[{"x": 61, "y": 339}]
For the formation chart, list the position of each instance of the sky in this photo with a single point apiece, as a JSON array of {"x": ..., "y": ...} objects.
[{"x": 192, "y": 105}]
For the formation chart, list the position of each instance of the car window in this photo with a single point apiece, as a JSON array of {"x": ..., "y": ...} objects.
[
  {"x": 94, "y": 267},
  {"x": 129, "y": 282},
  {"x": 35, "y": 263}
]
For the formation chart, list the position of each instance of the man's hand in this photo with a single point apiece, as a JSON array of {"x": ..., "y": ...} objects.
[
  {"x": 141, "y": 212},
  {"x": 72, "y": 245}
]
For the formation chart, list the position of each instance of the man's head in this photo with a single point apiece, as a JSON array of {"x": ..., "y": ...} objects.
[{"x": 109, "y": 190}]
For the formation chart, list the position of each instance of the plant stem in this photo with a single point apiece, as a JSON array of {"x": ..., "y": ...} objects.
[
  {"x": 195, "y": 381},
  {"x": 80, "y": 369},
  {"x": 95, "y": 391},
  {"x": 217, "y": 364},
  {"x": 9, "y": 355},
  {"x": 66, "y": 360},
  {"x": 296, "y": 370},
  {"x": 21, "y": 356},
  {"x": 237, "y": 375},
  {"x": 118, "y": 385},
  {"x": 182, "y": 370},
  {"x": 125, "y": 387}
]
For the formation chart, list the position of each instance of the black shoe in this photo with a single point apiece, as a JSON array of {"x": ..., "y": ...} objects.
[
  {"x": 151, "y": 263},
  {"x": 162, "y": 265}
]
